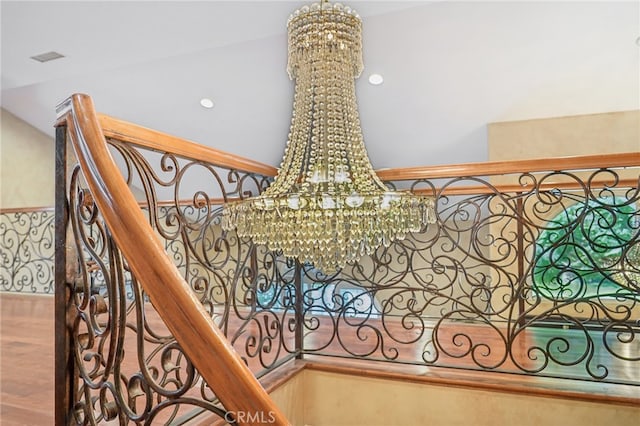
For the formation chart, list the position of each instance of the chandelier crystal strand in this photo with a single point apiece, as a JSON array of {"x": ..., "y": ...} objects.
[{"x": 326, "y": 206}]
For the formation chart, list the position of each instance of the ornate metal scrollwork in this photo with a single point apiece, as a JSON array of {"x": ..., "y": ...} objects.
[
  {"x": 154, "y": 381},
  {"x": 26, "y": 251},
  {"x": 484, "y": 289},
  {"x": 237, "y": 283}
]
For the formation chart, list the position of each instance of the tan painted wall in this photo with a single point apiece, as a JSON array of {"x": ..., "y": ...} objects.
[
  {"x": 554, "y": 137},
  {"x": 27, "y": 164},
  {"x": 330, "y": 399},
  {"x": 289, "y": 397}
]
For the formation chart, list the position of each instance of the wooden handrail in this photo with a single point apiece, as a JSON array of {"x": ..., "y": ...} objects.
[
  {"x": 26, "y": 209},
  {"x": 202, "y": 341},
  {"x": 163, "y": 142},
  {"x": 493, "y": 168}
]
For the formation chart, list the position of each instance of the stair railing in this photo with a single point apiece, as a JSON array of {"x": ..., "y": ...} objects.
[{"x": 245, "y": 400}]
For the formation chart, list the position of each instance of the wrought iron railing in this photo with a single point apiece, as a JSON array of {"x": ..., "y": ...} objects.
[
  {"x": 26, "y": 250},
  {"x": 532, "y": 268},
  {"x": 535, "y": 272},
  {"x": 120, "y": 302}
]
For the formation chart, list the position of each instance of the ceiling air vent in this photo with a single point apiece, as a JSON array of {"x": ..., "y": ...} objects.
[{"x": 46, "y": 57}]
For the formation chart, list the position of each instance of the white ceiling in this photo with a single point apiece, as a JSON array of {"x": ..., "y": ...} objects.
[{"x": 449, "y": 67}]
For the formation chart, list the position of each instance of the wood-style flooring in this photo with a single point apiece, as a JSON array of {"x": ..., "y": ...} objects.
[{"x": 26, "y": 360}]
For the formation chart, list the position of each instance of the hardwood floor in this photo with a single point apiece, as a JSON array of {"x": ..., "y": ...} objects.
[
  {"x": 26, "y": 360},
  {"x": 27, "y": 363}
]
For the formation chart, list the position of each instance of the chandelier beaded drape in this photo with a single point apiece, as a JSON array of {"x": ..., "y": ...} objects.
[{"x": 326, "y": 206}]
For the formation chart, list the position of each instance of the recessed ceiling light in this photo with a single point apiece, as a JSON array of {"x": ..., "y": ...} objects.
[
  {"x": 207, "y": 103},
  {"x": 48, "y": 56},
  {"x": 375, "y": 79}
]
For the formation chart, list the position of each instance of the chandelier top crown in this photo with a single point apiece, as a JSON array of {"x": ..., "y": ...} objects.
[{"x": 324, "y": 27}]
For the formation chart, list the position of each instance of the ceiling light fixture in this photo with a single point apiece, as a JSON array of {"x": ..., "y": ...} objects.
[
  {"x": 207, "y": 103},
  {"x": 376, "y": 79},
  {"x": 326, "y": 206}
]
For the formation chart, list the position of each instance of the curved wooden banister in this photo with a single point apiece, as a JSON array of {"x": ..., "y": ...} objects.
[
  {"x": 159, "y": 141},
  {"x": 192, "y": 326},
  {"x": 492, "y": 168}
]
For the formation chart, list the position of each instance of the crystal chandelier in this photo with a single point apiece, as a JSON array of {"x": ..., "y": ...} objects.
[{"x": 326, "y": 206}]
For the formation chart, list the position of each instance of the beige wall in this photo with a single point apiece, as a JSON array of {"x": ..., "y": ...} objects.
[
  {"x": 290, "y": 397},
  {"x": 330, "y": 399},
  {"x": 554, "y": 137},
  {"x": 27, "y": 164}
]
